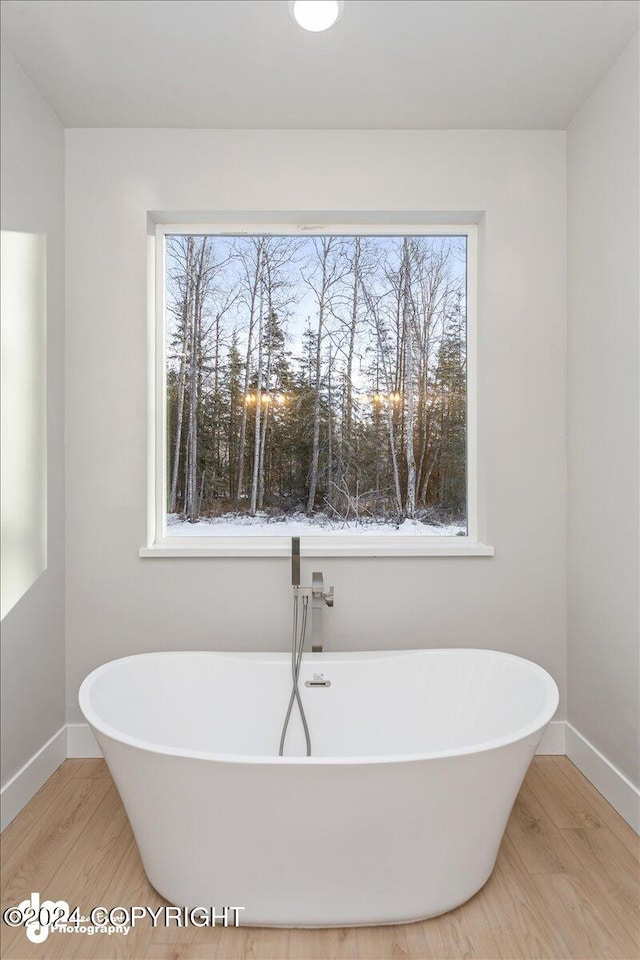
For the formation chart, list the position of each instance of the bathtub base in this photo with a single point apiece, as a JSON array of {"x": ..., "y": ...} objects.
[
  {"x": 415, "y": 839},
  {"x": 391, "y": 921}
]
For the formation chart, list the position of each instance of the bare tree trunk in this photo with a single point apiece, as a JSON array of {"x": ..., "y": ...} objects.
[
  {"x": 409, "y": 384},
  {"x": 247, "y": 371},
  {"x": 432, "y": 292},
  {"x": 201, "y": 495},
  {"x": 257, "y": 437},
  {"x": 263, "y": 438},
  {"x": 428, "y": 303},
  {"x": 329, "y": 430},
  {"x": 173, "y": 495},
  {"x": 231, "y": 423},
  {"x": 191, "y": 509},
  {"x": 394, "y": 459},
  {"x": 216, "y": 400},
  {"x": 263, "y": 444},
  {"x": 348, "y": 412},
  {"x": 186, "y": 472},
  {"x": 315, "y": 451},
  {"x": 377, "y": 320},
  {"x": 182, "y": 375}
]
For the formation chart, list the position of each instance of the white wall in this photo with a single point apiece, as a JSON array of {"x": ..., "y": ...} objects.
[
  {"x": 33, "y": 630},
  {"x": 604, "y": 632},
  {"x": 119, "y": 604}
]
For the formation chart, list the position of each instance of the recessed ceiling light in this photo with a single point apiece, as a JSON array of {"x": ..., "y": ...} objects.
[{"x": 316, "y": 15}]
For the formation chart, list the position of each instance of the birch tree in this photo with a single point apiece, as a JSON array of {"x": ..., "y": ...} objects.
[
  {"x": 347, "y": 425},
  {"x": 407, "y": 333},
  {"x": 330, "y": 273},
  {"x": 182, "y": 249},
  {"x": 253, "y": 501},
  {"x": 201, "y": 279},
  {"x": 375, "y": 318},
  {"x": 250, "y": 256}
]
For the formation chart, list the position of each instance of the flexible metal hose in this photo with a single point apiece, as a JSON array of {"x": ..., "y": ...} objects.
[{"x": 297, "y": 646}]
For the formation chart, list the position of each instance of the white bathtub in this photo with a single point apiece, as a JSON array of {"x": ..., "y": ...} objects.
[{"x": 398, "y": 815}]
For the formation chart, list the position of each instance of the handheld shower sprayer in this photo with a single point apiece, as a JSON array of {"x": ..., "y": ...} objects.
[
  {"x": 295, "y": 561},
  {"x": 297, "y": 646},
  {"x": 317, "y": 597}
]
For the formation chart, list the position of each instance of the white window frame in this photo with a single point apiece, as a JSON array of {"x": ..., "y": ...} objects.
[{"x": 329, "y": 545}]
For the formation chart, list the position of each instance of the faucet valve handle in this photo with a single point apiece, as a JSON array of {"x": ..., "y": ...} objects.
[{"x": 328, "y": 598}]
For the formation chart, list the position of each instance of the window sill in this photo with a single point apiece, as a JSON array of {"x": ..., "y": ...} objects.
[{"x": 318, "y": 547}]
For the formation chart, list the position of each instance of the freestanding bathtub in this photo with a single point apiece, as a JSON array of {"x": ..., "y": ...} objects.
[{"x": 398, "y": 814}]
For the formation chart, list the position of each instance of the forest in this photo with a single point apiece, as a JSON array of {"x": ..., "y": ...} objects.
[{"x": 316, "y": 379}]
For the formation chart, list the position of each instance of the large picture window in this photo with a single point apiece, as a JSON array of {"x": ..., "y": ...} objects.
[{"x": 315, "y": 385}]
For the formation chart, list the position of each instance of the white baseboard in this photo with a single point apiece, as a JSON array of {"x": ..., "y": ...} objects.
[
  {"x": 607, "y": 779},
  {"x": 81, "y": 742},
  {"x": 553, "y": 739},
  {"x": 24, "y": 785}
]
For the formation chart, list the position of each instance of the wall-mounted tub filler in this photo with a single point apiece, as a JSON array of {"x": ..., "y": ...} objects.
[
  {"x": 318, "y": 598},
  {"x": 417, "y": 759}
]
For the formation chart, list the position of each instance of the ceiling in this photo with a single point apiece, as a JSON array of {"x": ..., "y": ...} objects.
[{"x": 387, "y": 64}]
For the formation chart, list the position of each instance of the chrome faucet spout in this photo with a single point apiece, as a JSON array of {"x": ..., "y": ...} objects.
[
  {"x": 316, "y": 593},
  {"x": 317, "y": 602},
  {"x": 319, "y": 597}
]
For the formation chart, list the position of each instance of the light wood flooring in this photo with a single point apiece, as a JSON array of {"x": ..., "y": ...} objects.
[{"x": 565, "y": 884}]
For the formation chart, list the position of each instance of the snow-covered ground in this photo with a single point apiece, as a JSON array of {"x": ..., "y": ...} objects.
[{"x": 298, "y": 525}]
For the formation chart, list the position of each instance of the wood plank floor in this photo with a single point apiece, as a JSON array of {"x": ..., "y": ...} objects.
[{"x": 566, "y": 884}]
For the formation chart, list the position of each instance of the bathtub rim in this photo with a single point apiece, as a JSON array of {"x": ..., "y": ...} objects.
[{"x": 536, "y": 726}]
